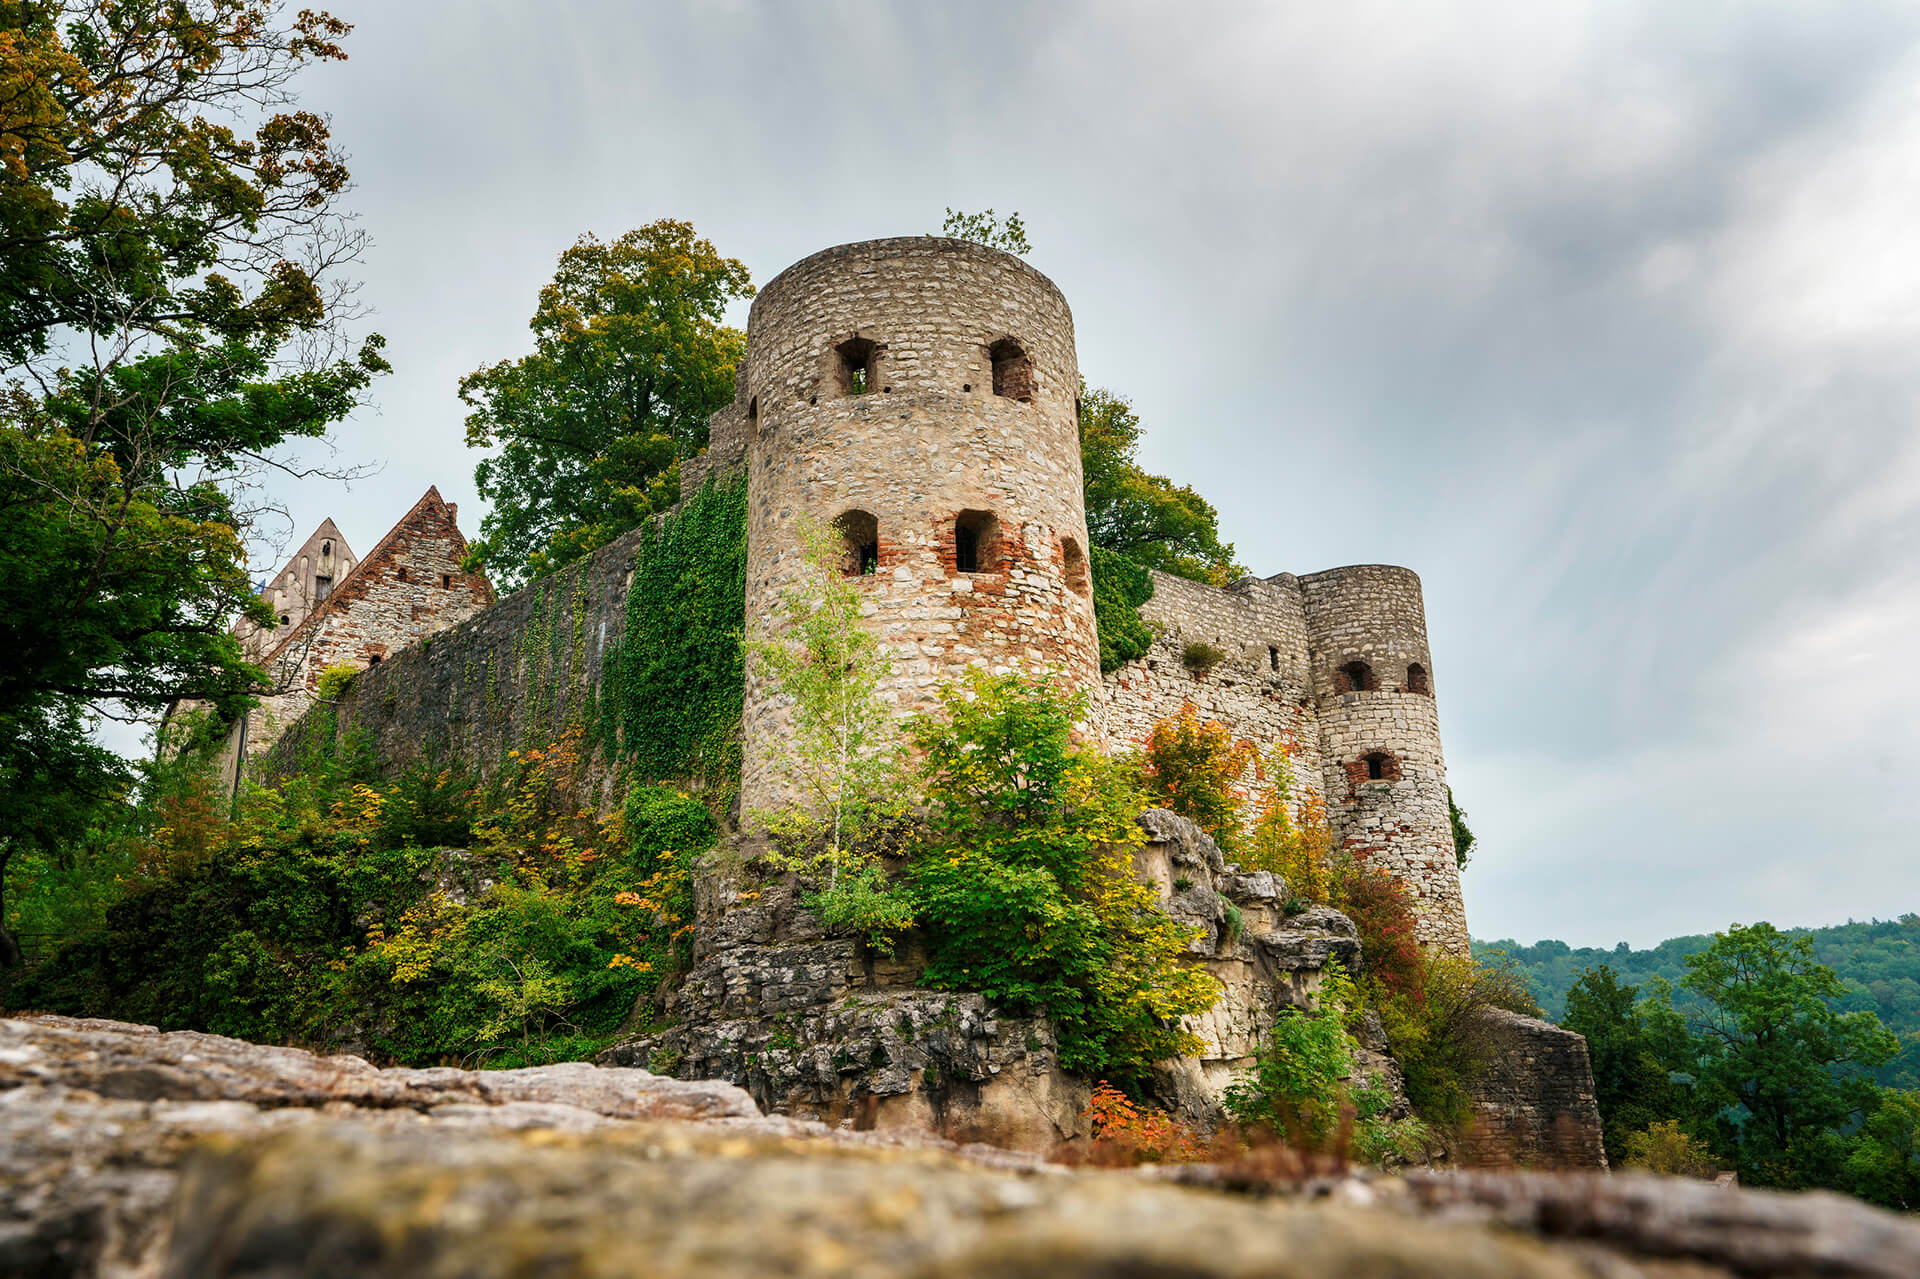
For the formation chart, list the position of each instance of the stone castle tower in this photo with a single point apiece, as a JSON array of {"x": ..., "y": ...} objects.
[{"x": 918, "y": 397}]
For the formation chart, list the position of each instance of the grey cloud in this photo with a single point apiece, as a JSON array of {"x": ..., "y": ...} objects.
[{"x": 1592, "y": 314}]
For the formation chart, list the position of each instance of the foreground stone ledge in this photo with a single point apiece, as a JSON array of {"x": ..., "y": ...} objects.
[
  {"x": 325, "y": 1166},
  {"x": 139, "y": 1063}
]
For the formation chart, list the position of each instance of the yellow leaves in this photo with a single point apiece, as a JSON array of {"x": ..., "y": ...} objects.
[{"x": 628, "y": 961}]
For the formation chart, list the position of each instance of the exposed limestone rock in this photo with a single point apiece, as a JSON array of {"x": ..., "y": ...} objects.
[
  {"x": 376, "y": 1174},
  {"x": 827, "y": 1028},
  {"x": 138, "y": 1063}
]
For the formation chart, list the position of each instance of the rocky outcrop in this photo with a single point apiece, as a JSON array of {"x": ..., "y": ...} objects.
[
  {"x": 222, "y": 1160},
  {"x": 828, "y": 1028}
]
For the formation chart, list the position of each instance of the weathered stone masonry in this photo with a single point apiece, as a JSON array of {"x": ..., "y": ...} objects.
[
  {"x": 917, "y": 397},
  {"x": 867, "y": 405},
  {"x": 1370, "y": 755}
]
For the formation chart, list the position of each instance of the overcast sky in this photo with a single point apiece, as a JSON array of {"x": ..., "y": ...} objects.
[{"x": 1602, "y": 318}]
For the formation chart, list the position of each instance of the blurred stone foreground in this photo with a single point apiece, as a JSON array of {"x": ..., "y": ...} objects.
[{"x": 126, "y": 1152}]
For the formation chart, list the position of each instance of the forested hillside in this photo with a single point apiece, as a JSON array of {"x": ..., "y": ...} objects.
[{"x": 1879, "y": 960}]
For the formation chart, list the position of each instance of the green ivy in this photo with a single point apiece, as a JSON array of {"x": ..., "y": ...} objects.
[
  {"x": 674, "y": 688},
  {"x": 1120, "y": 587}
]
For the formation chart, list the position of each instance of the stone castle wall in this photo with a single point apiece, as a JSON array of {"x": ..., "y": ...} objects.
[
  {"x": 1285, "y": 683},
  {"x": 516, "y": 675},
  {"x": 873, "y": 399},
  {"x": 407, "y": 588}
]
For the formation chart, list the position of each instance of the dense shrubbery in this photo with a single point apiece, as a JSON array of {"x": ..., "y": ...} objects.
[
  {"x": 423, "y": 920},
  {"x": 1190, "y": 766},
  {"x": 1024, "y": 879},
  {"x": 1303, "y": 1084}
]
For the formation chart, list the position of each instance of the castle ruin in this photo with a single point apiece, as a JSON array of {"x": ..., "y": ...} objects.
[
  {"x": 917, "y": 397},
  {"x": 920, "y": 397}
]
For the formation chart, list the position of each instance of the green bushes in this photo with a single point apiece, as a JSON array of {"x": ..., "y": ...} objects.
[
  {"x": 334, "y": 915},
  {"x": 1303, "y": 1084},
  {"x": 1024, "y": 879}
]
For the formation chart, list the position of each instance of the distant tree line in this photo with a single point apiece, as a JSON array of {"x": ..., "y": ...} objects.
[{"x": 1754, "y": 1057}]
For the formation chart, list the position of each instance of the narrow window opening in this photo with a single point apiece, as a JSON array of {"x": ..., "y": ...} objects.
[
  {"x": 976, "y": 537},
  {"x": 1417, "y": 679},
  {"x": 753, "y": 409},
  {"x": 326, "y": 548},
  {"x": 446, "y": 581},
  {"x": 1376, "y": 767},
  {"x": 1273, "y": 657},
  {"x": 401, "y": 573},
  {"x": 374, "y": 660},
  {"x": 857, "y": 359},
  {"x": 1356, "y": 677},
  {"x": 1012, "y": 370},
  {"x": 322, "y": 587},
  {"x": 859, "y": 543},
  {"x": 1078, "y": 580}
]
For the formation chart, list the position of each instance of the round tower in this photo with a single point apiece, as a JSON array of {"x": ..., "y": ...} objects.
[
  {"x": 917, "y": 396},
  {"x": 1386, "y": 781}
]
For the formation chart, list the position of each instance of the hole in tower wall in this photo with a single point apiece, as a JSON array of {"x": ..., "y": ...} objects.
[
  {"x": 858, "y": 358},
  {"x": 1355, "y": 677},
  {"x": 1417, "y": 681},
  {"x": 859, "y": 543},
  {"x": 1078, "y": 579},
  {"x": 1273, "y": 657},
  {"x": 976, "y": 542},
  {"x": 1012, "y": 370}
]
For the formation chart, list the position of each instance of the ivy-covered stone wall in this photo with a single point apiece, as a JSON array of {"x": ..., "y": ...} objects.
[
  {"x": 556, "y": 656},
  {"x": 508, "y": 678}
]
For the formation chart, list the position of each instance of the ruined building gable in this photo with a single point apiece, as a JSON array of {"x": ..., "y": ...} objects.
[
  {"x": 408, "y": 587},
  {"x": 305, "y": 582}
]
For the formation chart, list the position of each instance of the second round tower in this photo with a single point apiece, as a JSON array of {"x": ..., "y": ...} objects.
[{"x": 918, "y": 398}]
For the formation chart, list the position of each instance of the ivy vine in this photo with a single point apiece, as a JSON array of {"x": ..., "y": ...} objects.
[
  {"x": 673, "y": 690},
  {"x": 1120, "y": 587}
]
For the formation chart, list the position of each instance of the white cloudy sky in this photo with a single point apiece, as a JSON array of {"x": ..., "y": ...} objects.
[{"x": 1601, "y": 317}]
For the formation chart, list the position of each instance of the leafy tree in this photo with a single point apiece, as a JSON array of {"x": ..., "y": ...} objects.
[
  {"x": 1025, "y": 878},
  {"x": 1630, "y": 1080},
  {"x": 629, "y": 360},
  {"x": 1666, "y": 1148},
  {"x": 844, "y": 762},
  {"x": 171, "y": 313},
  {"x": 1146, "y": 518},
  {"x": 1009, "y": 236},
  {"x": 1781, "y": 1068},
  {"x": 1883, "y": 1165},
  {"x": 1191, "y": 765}
]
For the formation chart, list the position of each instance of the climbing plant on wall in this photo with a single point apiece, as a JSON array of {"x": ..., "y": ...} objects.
[
  {"x": 1120, "y": 587},
  {"x": 673, "y": 691}
]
